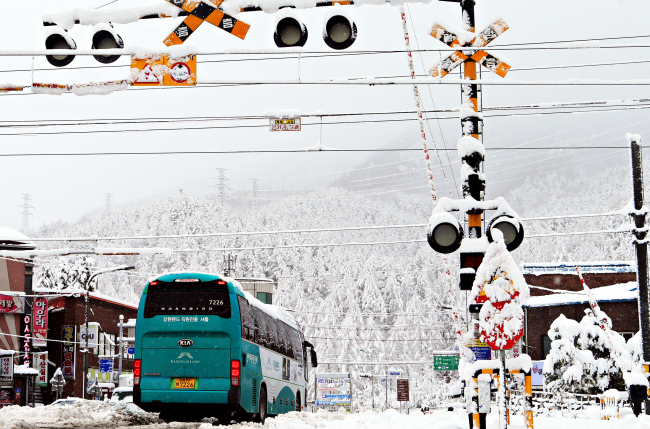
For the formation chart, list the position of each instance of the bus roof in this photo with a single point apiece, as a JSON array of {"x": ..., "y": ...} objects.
[{"x": 271, "y": 310}]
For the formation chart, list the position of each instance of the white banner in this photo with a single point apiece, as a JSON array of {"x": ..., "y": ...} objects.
[
  {"x": 40, "y": 365},
  {"x": 537, "y": 373},
  {"x": 93, "y": 333},
  {"x": 333, "y": 391},
  {"x": 7, "y": 368}
]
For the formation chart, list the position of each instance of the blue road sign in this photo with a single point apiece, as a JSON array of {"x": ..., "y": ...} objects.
[
  {"x": 106, "y": 365},
  {"x": 130, "y": 350},
  {"x": 482, "y": 353}
]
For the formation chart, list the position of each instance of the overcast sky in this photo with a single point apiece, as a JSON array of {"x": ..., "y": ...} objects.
[{"x": 68, "y": 187}]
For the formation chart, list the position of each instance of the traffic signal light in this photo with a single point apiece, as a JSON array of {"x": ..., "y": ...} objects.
[
  {"x": 105, "y": 38},
  {"x": 469, "y": 263},
  {"x": 339, "y": 31},
  {"x": 512, "y": 229},
  {"x": 58, "y": 39},
  {"x": 290, "y": 32},
  {"x": 444, "y": 233}
]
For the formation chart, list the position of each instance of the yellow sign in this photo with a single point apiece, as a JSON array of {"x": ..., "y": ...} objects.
[
  {"x": 157, "y": 70},
  {"x": 476, "y": 343},
  {"x": 284, "y": 124}
]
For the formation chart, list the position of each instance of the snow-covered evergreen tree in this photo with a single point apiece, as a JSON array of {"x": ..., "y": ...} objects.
[
  {"x": 67, "y": 273},
  {"x": 581, "y": 359}
]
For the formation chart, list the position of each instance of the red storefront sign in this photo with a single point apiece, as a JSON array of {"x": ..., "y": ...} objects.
[
  {"x": 68, "y": 351},
  {"x": 6, "y": 397},
  {"x": 27, "y": 340},
  {"x": 12, "y": 304},
  {"x": 40, "y": 365},
  {"x": 39, "y": 331}
]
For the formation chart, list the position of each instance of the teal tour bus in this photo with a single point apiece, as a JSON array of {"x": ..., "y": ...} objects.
[{"x": 206, "y": 348}]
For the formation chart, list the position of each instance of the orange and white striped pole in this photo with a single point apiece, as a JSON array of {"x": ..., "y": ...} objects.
[{"x": 474, "y": 186}]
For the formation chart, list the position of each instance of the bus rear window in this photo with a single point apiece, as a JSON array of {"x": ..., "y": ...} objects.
[{"x": 187, "y": 298}]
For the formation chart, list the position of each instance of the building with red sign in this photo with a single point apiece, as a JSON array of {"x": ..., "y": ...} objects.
[
  {"x": 66, "y": 316},
  {"x": 15, "y": 279}
]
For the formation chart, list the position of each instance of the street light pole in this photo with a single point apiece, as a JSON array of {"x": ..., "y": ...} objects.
[
  {"x": 121, "y": 348},
  {"x": 87, "y": 297},
  {"x": 372, "y": 376}
]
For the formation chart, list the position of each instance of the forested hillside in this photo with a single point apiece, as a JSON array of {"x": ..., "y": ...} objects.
[{"x": 384, "y": 299}]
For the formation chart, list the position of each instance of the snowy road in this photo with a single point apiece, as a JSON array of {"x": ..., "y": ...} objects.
[{"x": 88, "y": 414}]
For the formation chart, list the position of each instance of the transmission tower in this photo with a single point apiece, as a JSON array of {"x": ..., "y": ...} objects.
[
  {"x": 221, "y": 186},
  {"x": 109, "y": 200},
  {"x": 255, "y": 189},
  {"x": 26, "y": 213}
]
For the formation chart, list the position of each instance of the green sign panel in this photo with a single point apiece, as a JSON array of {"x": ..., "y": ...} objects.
[{"x": 446, "y": 363}]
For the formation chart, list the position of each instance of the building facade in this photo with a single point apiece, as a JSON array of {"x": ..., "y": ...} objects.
[
  {"x": 613, "y": 285},
  {"x": 65, "y": 351}
]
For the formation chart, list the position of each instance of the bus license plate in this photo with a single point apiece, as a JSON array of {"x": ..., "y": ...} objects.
[{"x": 184, "y": 383}]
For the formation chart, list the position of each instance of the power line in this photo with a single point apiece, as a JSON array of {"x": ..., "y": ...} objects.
[
  {"x": 27, "y": 211},
  {"x": 221, "y": 186},
  {"x": 235, "y": 152},
  {"x": 593, "y": 109},
  {"x": 255, "y": 190},
  {"x": 291, "y": 51},
  {"x": 361, "y": 340},
  {"x": 297, "y": 231},
  {"x": 109, "y": 200},
  {"x": 130, "y": 121}
]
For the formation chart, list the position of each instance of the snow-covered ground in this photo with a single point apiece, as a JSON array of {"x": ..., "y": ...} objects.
[
  {"x": 96, "y": 414},
  {"x": 89, "y": 414}
]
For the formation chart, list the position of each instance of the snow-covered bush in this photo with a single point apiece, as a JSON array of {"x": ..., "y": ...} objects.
[
  {"x": 581, "y": 359},
  {"x": 66, "y": 273}
]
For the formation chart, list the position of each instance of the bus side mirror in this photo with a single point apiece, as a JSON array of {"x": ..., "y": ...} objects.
[{"x": 314, "y": 358}]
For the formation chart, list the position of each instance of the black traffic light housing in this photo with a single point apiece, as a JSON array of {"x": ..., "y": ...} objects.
[
  {"x": 469, "y": 263},
  {"x": 511, "y": 228}
]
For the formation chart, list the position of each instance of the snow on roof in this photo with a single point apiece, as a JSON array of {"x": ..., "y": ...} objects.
[
  {"x": 24, "y": 370},
  {"x": 542, "y": 268},
  {"x": 81, "y": 292},
  {"x": 622, "y": 292},
  {"x": 7, "y": 352},
  {"x": 272, "y": 310},
  {"x": 10, "y": 234}
]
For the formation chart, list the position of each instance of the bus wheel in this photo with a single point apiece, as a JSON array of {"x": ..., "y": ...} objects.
[
  {"x": 167, "y": 417},
  {"x": 298, "y": 403},
  {"x": 261, "y": 415}
]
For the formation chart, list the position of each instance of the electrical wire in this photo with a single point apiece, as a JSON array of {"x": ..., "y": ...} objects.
[
  {"x": 365, "y": 121},
  {"x": 296, "y": 231}
]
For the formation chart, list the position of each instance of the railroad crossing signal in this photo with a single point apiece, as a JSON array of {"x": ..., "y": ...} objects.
[
  {"x": 200, "y": 12},
  {"x": 474, "y": 53}
]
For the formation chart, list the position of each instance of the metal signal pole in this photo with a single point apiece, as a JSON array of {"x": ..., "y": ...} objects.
[
  {"x": 474, "y": 186},
  {"x": 641, "y": 245}
]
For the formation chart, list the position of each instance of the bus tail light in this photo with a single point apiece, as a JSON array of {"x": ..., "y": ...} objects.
[
  {"x": 137, "y": 366},
  {"x": 235, "y": 372}
]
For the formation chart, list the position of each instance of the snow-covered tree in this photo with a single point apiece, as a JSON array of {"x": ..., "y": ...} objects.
[
  {"x": 582, "y": 359},
  {"x": 66, "y": 273}
]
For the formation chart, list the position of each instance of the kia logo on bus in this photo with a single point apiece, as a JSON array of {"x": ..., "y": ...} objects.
[{"x": 186, "y": 342}]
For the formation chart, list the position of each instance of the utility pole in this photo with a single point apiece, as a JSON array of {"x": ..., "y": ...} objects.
[
  {"x": 26, "y": 213},
  {"x": 221, "y": 185},
  {"x": 255, "y": 189},
  {"x": 640, "y": 244},
  {"x": 109, "y": 200},
  {"x": 121, "y": 349},
  {"x": 229, "y": 261}
]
